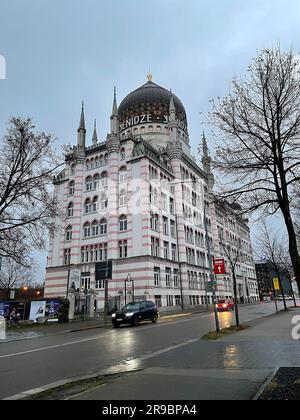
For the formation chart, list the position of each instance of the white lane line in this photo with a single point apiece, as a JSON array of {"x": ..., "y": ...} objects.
[{"x": 84, "y": 392}]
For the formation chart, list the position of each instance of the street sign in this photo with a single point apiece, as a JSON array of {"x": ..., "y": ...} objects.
[
  {"x": 276, "y": 283},
  {"x": 219, "y": 266}
]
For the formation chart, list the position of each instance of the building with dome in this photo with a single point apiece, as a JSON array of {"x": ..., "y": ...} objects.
[{"x": 138, "y": 215}]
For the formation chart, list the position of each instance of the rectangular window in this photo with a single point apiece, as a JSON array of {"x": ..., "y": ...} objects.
[
  {"x": 171, "y": 207},
  {"x": 154, "y": 222},
  {"x": 85, "y": 283},
  {"x": 170, "y": 300},
  {"x": 178, "y": 300},
  {"x": 158, "y": 300},
  {"x": 165, "y": 226},
  {"x": 123, "y": 249},
  {"x": 154, "y": 247},
  {"x": 166, "y": 250},
  {"x": 156, "y": 276},
  {"x": 164, "y": 202},
  {"x": 175, "y": 278},
  {"x": 174, "y": 252},
  {"x": 172, "y": 228},
  {"x": 67, "y": 256},
  {"x": 168, "y": 277},
  {"x": 100, "y": 284}
]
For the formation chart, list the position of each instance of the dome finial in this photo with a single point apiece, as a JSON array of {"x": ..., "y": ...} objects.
[{"x": 149, "y": 76}]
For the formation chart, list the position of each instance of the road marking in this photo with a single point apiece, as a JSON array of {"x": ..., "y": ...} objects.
[{"x": 84, "y": 392}]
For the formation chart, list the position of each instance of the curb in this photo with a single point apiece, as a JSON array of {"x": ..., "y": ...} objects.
[{"x": 265, "y": 385}]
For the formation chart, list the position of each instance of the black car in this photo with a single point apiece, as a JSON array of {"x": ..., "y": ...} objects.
[{"x": 134, "y": 313}]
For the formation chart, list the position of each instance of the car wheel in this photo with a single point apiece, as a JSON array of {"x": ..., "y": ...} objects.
[
  {"x": 135, "y": 321},
  {"x": 154, "y": 319},
  {"x": 116, "y": 324}
]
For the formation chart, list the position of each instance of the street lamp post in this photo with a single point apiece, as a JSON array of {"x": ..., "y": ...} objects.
[{"x": 128, "y": 280}]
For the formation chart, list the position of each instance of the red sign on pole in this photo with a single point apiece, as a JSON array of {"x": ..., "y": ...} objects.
[{"x": 219, "y": 266}]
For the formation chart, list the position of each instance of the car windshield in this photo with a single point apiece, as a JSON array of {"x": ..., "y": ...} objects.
[{"x": 132, "y": 306}]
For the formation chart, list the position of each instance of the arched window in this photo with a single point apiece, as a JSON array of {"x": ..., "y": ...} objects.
[
  {"x": 151, "y": 128},
  {"x": 104, "y": 202},
  {"x": 101, "y": 160},
  {"x": 122, "y": 154},
  {"x": 72, "y": 188},
  {"x": 123, "y": 174},
  {"x": 106, "y": 159},
  {"x": 158, "y": 129},
  {"x": 123, "y": 198},
  {"x": 86, "y": 230},
  {"x": 95, "y": 204},
  {"x": 92, "y": 163},
  {"x": 89, "y": 183},
  {"x": 104, "y": 179},
  {"x": 72, "y": 169},
  {"x": 68, "y": 235},
  {"x": 95, "y": 228},
  {"x": 96, "y": 181},
  {"x": 96, "y": 161},
  {"x": 123, "y": 223},
  {"x": 87, "y": 206},
  {"x": 142, "y": 130},
  {"x": 70, "y": 209},
  {"x": 103, "y": 227},
  {"x": 87, "y": 164}
]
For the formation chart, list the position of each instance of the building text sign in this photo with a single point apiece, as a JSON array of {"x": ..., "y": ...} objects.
[{"x": 148, "y": 119}]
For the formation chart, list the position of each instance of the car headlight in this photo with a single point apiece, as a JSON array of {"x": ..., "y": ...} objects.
[
  {"x": 114, "y": 315},
  {"x": 129, "y": 314}
]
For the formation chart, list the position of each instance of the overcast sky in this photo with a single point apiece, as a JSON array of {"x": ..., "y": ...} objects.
[{"x": 59, "y": 52}]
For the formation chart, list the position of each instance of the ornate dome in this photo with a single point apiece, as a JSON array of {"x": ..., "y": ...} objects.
[{"x": 151, "y": 99}]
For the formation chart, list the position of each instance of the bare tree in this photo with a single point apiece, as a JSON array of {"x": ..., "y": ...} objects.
[
  {"x": 27, "y": 204},
  {"x": 259, "y": 123},
  {"x": 232, "y": 255},
  {"x": 271, "y": 249},
  {"x": 13, "y": 275}
]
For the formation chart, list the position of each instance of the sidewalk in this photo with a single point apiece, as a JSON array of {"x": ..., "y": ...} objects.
[{"x": 232, "y": 368}]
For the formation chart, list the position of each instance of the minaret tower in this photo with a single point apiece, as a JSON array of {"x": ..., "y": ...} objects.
[
  {"x": 81, "y": 132},
  {"x": 95, "y": 136}
]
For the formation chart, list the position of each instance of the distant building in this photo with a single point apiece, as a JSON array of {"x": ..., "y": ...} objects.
[
  {"x": 265, "y": 273},
  {"x": 133, "y": 209}
]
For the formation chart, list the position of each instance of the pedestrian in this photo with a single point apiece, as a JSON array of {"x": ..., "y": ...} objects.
[
  {"x": 15, "y": 317},
  {"x": 12, "y": 316}
]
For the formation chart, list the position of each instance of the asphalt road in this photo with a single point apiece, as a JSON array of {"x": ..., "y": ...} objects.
[{"x": 29, "y": 364}]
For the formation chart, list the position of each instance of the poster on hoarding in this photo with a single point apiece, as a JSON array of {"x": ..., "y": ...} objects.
[
  {"x": 37, "y": 310},
  {"x": 52, "y": 310}
]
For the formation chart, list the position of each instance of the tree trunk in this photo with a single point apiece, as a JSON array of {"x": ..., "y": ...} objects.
[
  {"x": 293, "y": 248},
  {"x": 237, "y": 318}
]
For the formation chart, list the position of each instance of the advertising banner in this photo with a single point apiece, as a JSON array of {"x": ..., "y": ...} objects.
[
  {"x": 75, "y": 277},
  {"x": 37, "y": 310},
  {"x": 52, "y": 310}
]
